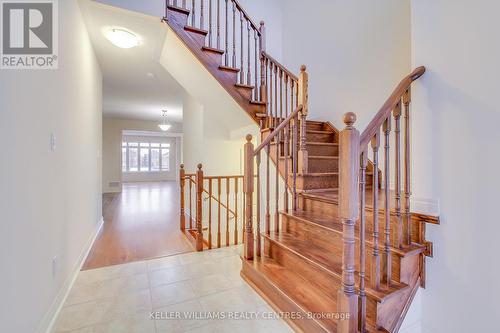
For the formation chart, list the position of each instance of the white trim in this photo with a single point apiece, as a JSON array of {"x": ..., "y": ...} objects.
[
  {"x": 51, "y": 315},
  {"x": 425, "y": 206},
  {"x": 151, "y": 133}
]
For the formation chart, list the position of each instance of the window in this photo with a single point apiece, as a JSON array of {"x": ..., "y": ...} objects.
[{"x": 145, "y": 157}]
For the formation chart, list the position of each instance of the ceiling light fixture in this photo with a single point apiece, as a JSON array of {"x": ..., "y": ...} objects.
[
  {"x": 122, "y": 38},
  {"x": 164, "y": 126}
]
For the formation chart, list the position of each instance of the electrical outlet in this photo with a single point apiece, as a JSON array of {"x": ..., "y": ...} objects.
[{"x": 55, "y": 266}]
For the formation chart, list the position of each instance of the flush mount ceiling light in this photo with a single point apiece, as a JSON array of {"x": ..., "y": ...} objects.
[
  {"x": 164, "y": 126},
  {"x": 122, "y": 38}
]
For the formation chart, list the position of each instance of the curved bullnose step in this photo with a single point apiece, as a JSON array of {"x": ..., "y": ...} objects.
[{"x": 288, "y": 292}]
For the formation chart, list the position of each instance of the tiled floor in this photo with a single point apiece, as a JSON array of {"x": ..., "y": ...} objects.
[{"x": 122, "y": 298}]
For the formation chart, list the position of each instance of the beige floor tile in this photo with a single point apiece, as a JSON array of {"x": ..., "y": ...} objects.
[
  {"x": 111, "y": 272},
  {"x": 194, "y": 257},
  {"x": 168, "y": 276},
  {"x": 202, "y": 269},
  {"x": 84, "y": 292},
  {"x": 210, "y": 284},
  {"x": 172, "y": 293},
  {"x": 135, "y": 323},
  {"x": 162, "y": 263},
  {"x": 183, "y": 317}
]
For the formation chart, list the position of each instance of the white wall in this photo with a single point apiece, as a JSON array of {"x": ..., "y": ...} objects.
[
  {"x": 112, "y": 129},
  {"x": 355, "y": 51},
  {"x": 455, "y": 154},
  {"x": 50, "y": 201}
]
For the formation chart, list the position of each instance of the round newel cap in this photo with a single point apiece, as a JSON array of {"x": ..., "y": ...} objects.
[
  {"x": 249, "y": 137},
  {"x": 182, "y": 166},
  {"x": 349, "y": 118},
  {"x": 200, "y": 166},
  {"x": 303, "y": 68},
  {"x": 261, "y": 23}
]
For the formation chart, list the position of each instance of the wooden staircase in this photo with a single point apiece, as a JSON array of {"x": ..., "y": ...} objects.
[{"x": 341, "y": 252}]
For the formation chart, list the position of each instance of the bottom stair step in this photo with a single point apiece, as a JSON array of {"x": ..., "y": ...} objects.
[{"x": 288, "y": 292}]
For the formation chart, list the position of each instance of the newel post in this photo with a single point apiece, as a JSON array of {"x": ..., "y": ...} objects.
[
  {"x": 182, "y": 185},
  {"x": 262, "y": 48},
  {"x": 248, "y": 185},
  {"x": 199, "y": 208},
  {"x": 348, "y": 211},
  {"x": 303, "y": 99}
]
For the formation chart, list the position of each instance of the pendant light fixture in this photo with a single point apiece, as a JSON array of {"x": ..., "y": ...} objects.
[{"x": 164, "y": 126}]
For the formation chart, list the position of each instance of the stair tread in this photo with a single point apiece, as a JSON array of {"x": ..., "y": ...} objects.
[
  {"x": 212, "y": 49},
  {"x": 246, "y": 86},
  {"x": 332, "y": 263},
  {"x": 307, "y": 297},
  {"x": 196, "y": 30},
  {"x": 333, "y": 223},
  {"x": 317, "y": 157},
  {"x": 257, "y": 103},
  {"x": 229, "y": 69}
]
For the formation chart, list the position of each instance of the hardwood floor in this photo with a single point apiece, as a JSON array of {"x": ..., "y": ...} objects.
[{"x": 140, "y": 223}]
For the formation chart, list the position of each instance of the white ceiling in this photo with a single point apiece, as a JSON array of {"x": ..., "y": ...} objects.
[{"x": 135, "y": 85}]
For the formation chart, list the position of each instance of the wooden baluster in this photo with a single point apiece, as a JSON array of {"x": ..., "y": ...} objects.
[
  {"x": 218, "y": 24},
  {"x": 236, "y": 211},
  {"x": 182, "y": 183},
  {"x": 202, "y": 14},
  {"x": 210, "y": 213},
  {"x": 263, "y": 65},
  {"x": 228, "y": 185},
  {"x": 277, "y": 140},
  {"x": 407, "y": 213},
  {"x": 249, "y": 67},
  {"x": 281, "y": 96},
  {"x": 268, "y": 191},
  {"x": 199, "y": 208},
  {"x": 183, "y": 3},
  {"x": 234, "y": 35},
  {"x": 270, "y": 106},
  {"x": 244, "y": 208},
  {"x": 258, "y": 245},
  {"x": 397, "y": 133},
  {"x": 248, "y": 186},
  {"x": 276, "y": 120},
  {"x": 190, "y": 203},
  {"x": 303, "y": 99},
  {"x": 256, "y": 64},
  {"x": 286, "y": 148},
  {"x": 362, "y": 242},
  {"x": 347, "y": 300},
  {"x": 193, "y": 13},
  {"x": 226, "y": 39},
  {"x": 210, "y": 22},
  {"x": 387, "y": 190},
  {"x": 375, "y": 272},
  {"x": 219, "y": 212},
  {"x": 175, "y": 2},
  {"x": 294, "y": 161},
  {"x": 242, "y": 69}
]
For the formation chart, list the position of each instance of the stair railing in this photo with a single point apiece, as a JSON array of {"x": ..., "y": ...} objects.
[
  {"x": 216, "y": 200},
  {"x": 354, "y": 152},
  {"x": 284, "y": 159},
  {"x": 230, "y": 29}
]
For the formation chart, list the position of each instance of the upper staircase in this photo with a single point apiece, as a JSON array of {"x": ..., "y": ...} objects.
[{"x": 340, "y": 249}]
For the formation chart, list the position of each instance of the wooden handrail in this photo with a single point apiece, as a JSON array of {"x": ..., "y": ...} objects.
[
  {"x": 282, "y": 67},
  {"x": 278, "y": 129},
  {"x": 388, "y": 106},
  {"x": 240, "y": 8}
]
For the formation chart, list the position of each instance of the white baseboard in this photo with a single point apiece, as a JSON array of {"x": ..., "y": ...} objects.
[{"x": 50, "y": 317}]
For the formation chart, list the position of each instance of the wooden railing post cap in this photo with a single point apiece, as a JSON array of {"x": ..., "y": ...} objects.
[
  {"x": 249, "y": 137},
  {"x": 200, "y": 166},
  {"x": 349, "y": 119},
  {"x": 303, "y": 68},
  {"x": 262, "y": 23},
  {"x": 182, "y": 166}
]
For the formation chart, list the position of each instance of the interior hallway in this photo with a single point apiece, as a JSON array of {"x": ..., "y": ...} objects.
[{"x": 140, "y": 223}]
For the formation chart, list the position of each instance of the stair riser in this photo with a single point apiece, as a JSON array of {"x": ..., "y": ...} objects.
[
  {"x": 321, "y": 137},
  {"x": 321, "y": 278},
  {"x": 216, "y": 57},
  {"x": 278, "y": 299},
  {"x": 306, "y": 183},
  {"x": 332, "y": 243},
  {"x": 314, "y": 126},
  {"x": 317, "y": 150},
  {"x": 246, "y": 93},
  {"x": 180, "y": 18},
  {"x": 322, "y": 165}
]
